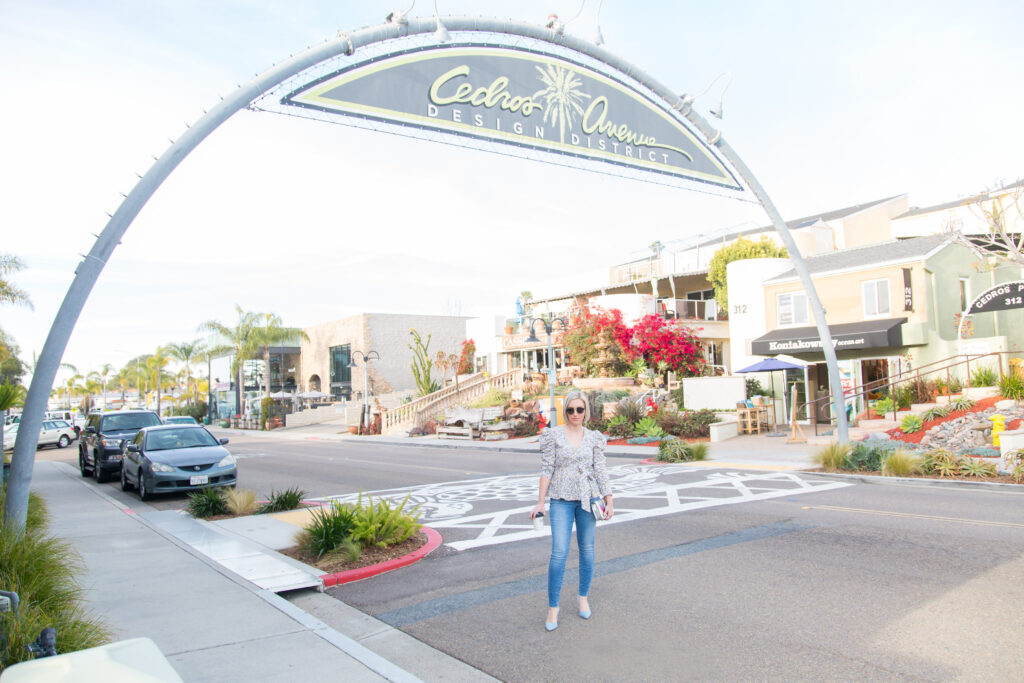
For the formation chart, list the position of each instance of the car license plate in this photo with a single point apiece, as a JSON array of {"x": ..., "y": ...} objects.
[{"x": 197, "y": 480}]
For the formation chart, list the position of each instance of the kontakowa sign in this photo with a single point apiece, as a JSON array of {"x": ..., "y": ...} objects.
[{"x": 522, "y": 98}]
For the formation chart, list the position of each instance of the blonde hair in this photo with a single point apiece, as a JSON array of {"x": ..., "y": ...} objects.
[{"x": 574, "y": 396}]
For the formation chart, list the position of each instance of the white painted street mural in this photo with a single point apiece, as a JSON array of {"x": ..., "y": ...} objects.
[{"x": 492, "y": 510}]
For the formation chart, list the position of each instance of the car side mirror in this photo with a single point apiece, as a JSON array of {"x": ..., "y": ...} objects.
[
  {"x": 90, "y": 430},
  {"x": 132, "y": 448},
  {"x": 224, "y": 441}
]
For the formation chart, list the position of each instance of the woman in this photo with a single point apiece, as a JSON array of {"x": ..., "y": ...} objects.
[{"x": 573, "y": 473}]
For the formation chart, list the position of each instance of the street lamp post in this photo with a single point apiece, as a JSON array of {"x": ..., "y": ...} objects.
[
  {"x": 367, "y": 357},
  {"x": 548, "y": 324}
]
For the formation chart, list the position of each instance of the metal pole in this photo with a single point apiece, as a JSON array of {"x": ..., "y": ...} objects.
[
  {"x": 366, "y": 394},
  {"x": 551, "y": 377}
]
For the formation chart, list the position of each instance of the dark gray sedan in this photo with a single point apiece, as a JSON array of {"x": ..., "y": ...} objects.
[{"x": 168, "y": 458}]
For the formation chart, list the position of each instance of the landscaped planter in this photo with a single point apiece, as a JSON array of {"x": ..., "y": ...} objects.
[{"x": 603, "y": 383}]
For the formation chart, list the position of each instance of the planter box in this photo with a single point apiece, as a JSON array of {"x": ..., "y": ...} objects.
[{"x": 727, "y": 429}]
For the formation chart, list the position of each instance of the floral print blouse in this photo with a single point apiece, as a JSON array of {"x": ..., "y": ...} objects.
[{"x": 576, "y": 472}]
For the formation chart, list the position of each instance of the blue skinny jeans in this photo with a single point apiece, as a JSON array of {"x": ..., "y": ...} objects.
[{"x": 563, "y": 513}]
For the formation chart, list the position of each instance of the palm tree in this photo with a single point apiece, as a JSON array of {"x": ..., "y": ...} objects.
[
  {"x": 8, "y": 292},
  {"x": 105, "y": 370},
  {"x": 187, "y": 353},
  {"x": 562, "y": 96},
  {"x": 270, "y": 332},
  {"x": 93, "y": 385},
  {"x": 241, "y": 341},
  {"x": 155, "y": 365}
]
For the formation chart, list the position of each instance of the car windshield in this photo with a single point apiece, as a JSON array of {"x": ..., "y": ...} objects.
[
  {"x": 181, "y": 420},
  {"x": 170, "y": 439},
  {"x": 123, "y": 423}
]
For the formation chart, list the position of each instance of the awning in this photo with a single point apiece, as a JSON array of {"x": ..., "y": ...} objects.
[{"x": 845, "y": 337}]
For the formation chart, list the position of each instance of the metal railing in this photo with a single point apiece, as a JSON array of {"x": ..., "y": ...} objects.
[
  {"x": 428, "y": 407},
  {"x": 810, "y": 408}
]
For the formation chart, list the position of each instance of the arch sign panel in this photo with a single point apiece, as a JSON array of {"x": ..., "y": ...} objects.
[
  {"x": 1003, "y": 297},
  {"x": 519, "y": 97}
]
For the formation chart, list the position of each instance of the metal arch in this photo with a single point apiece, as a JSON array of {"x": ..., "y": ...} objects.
[{"x": 89, "y": 269}]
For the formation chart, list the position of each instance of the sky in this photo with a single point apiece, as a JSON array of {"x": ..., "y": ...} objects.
[{"x": 829, "y": 104}]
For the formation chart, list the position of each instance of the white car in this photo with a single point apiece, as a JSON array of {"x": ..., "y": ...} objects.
[{"x": 55, "y": 432}]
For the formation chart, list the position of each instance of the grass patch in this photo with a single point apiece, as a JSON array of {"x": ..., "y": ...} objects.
[
  {"x": 280, "y": 501},
  {"x": 901, "y": 463},
  {"x": 677, "y": 450},
  {"x": 346, "y": 528},
  {"x": 832, "y": 457},
  {"x": 492, "y": 397},
  {"x": 240, "y": 501}
]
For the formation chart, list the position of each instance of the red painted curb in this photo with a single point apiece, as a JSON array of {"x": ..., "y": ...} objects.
[
  {"x": 433, "y": 541},
  {"x": 654, "y": 461}
]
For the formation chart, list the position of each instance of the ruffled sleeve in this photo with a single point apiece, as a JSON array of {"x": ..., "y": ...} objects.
[
  {"x": 547, "y": 452},
  {"x": 600, "y": 473}
]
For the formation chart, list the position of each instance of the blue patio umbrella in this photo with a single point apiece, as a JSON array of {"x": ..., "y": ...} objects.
[{"x": 771, "y": 365}]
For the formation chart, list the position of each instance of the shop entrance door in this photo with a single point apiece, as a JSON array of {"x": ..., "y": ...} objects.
[{"x": 817, "y": 384}]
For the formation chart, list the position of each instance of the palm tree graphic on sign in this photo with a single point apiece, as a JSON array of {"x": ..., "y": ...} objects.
[{"x": 562, "y": 96}]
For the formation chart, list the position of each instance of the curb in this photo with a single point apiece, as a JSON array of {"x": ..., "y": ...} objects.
[
  {"x": 882, "y": 480},
  {"x": 338, "y": 578}
]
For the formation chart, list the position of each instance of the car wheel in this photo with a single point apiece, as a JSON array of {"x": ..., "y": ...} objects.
[
  {"x": 63, "y": 441},
  {"x": 81, "y": 463},
  {"x": 101, "y": 476},
  {"x": 144, "y": 493},
  {"x": 125, "y": 486}
]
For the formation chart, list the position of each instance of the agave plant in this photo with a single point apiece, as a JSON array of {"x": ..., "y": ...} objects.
[
  {"x": 961, "y": 403},
  {"x": 935, "y": 413},
  {"x": 911, "y": 423}
]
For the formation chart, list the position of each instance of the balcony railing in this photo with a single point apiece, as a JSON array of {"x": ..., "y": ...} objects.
[{"x": 690, "y": 309}]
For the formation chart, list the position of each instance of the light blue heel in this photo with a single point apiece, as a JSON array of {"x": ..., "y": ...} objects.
[
  {"x": 585, "y": 614},
  {"x": 550, "y": 625}
]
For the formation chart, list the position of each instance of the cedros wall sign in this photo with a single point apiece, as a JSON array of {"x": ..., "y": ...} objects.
[{"x": 520, "y": 97}]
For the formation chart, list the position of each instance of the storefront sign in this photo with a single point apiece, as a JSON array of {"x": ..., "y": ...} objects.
[
  {"x": 846, "y": 336},
  {"x": 519, "y": 97},
  {"x": 1004, "y": 297}
]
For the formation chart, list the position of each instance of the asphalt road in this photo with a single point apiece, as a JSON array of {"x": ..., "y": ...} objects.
[{"x": 749, "y": 577}]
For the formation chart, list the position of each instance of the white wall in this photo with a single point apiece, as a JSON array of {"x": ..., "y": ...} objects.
[
  {"x": 485, "y": 333},
  {"x": 746, "y": 304},
  {"x": 633, "y": 306},
  {"x": 389, "y": 336},
  {"x": 714, "y": 393}
]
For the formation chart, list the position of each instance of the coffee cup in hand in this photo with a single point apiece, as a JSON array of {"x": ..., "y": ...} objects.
[{"x": 538, "y": 522}]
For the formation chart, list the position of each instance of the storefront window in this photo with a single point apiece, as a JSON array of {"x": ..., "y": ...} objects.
[
  {"x": 341, "y": 374},
  {"x": 876, "y": 298}
]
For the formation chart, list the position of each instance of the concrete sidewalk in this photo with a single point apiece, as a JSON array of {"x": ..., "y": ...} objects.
[
  {"x": 753, "y": 451},
  {"x": 210, "y": 622}
]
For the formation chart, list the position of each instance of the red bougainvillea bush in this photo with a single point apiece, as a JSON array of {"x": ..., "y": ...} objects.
[
  {"x": 466, "y": 357},
  {"x": 652, "y": 338}
]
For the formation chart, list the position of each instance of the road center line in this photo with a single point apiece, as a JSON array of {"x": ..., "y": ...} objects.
[{"x": 910, "y": 515}]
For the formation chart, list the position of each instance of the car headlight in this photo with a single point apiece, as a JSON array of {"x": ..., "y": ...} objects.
[
  {"x": 226, "y": 460},
  {"x": 112, "y": 443},
  {"x": 160, "y": 467}
]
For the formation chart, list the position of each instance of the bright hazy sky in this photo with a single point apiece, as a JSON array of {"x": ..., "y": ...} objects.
[{"x": 830, "y": 104}]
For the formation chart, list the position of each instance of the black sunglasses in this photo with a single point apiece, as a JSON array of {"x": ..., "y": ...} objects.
[{"x": 579, "y": 411}]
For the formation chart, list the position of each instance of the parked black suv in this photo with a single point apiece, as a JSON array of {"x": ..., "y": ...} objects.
[{"x": 99, "y": 449}]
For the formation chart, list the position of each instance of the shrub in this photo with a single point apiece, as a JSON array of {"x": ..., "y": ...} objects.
[
  {"x": 648, "y": 426},
  {"x": 629, "y": 409},
  {"x": 676, "y": 396},
  {"x": 941, "y": 462},
  {"x": 972, "y": 467},
  {"x": 754, "y": 387},
  {"x": 868, "y": 456},
  {"x": 922, "y": 390},
  {"x": 903, "y": 395},
  {"x": 619, "y": 427},
  {"x": 692, "y": 424},
  {"x": 382, "y": 525},
  {"x": 883, "y": 406},
  {"x": 901, "y": 463},
  {"x": 493, "y": 397},
  {"x": 983, "y": 377},
  {"x": 599, "y": 425},
  {"x": 207, "y": 503},
  {"x": 289, "y": 499},
  {"x": 1015, "y": 460},
  {"x": 240, "y": 501},
  {"x": 328, "y": 528},
  {"x": 833, "y": 456},
  {"x": 911, "y": 423},
  {"x": 524, "y": 428},
  {"x": 961, "y": 403},
  {"x": 677, "y": 450},
  {"x": 1012, "y": 386},
  {"x": 935, "y": 413}
]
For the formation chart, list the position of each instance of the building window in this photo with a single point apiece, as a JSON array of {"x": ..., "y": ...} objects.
[
  {"x": 965, "y": 294},
  {"x": 876, "y": 298},
  {"x": 341, "y": 374},
  {"x": 792, "y": 308}
]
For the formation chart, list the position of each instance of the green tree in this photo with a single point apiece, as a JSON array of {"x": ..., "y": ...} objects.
[
  {"x": 240, "y": 340},
  {"x": 155, "y": 365},
  {"x": 11, "y": 395},
  {"x": 739, "y": 250},
  {"x": 187, "y": 353},
  {"x": 11, "y": 367},
  {"x": 8, "y": 292},
  {"x": 270, "y": 331}
]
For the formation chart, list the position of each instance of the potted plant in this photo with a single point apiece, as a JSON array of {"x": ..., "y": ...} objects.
[{"x": 510, "y": 326}]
